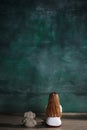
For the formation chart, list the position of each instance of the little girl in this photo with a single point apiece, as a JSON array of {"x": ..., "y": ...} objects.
[{"x": 53, "y": 110}]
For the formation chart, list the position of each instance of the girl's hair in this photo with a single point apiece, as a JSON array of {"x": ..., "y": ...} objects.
[{"x": 53, "y": 107}]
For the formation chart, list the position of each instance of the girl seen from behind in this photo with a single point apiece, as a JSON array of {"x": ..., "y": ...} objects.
[{"x": 53, "y": 110}]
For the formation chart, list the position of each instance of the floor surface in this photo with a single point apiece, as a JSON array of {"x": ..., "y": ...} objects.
[{"x": 70, "y": 121}]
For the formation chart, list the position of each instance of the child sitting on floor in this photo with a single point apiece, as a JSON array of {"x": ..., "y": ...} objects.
[{"x": 53, "y": 110}]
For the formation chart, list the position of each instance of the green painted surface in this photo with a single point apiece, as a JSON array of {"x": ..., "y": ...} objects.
[{"x": 43, "y": 48}]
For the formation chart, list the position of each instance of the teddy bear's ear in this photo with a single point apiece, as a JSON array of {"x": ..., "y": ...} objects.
[{"x": 25, "y": 114}]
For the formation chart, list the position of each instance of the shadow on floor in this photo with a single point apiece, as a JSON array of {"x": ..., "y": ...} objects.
[
  {"x": 9, "y": 125},
  {"x": 42, "y": 125}
]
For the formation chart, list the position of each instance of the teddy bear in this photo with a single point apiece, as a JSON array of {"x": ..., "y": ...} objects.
[{"x": 29, "y": 119}]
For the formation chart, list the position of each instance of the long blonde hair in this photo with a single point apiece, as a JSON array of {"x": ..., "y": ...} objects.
[{"x": 53, "y": 107}]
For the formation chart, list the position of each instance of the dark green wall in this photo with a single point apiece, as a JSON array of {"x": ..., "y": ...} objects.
[{"x": 43, "y": 48}]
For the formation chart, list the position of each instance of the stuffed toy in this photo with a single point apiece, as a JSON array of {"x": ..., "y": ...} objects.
[
  {"x": 53, "y": 110},
  {"x": 29, "y": 119}
]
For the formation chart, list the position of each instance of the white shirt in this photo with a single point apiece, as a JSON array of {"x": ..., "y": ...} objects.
[{"x": 53, "y": 121}]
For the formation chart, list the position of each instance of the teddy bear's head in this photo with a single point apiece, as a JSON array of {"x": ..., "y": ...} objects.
[{"x": 30, "y": 115}]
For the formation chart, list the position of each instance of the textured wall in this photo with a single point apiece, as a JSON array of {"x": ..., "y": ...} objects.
[{"x": 43, "y": 48}]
